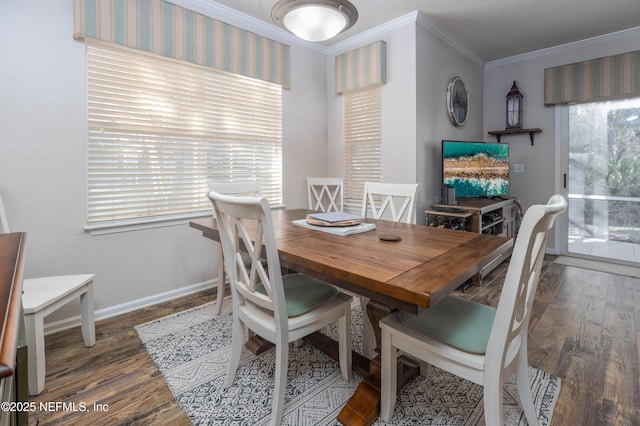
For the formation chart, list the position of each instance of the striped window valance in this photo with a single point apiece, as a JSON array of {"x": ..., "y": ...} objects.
[
  {"x": 166, "y": 29},
  {"x": 599, "y": 79},
  {"x": 363, "y": 67}
]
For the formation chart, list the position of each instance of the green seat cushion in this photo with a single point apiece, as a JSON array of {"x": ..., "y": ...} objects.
[
  {"x": 457, "y": 322},
  {"x": 302, "y": 293}
]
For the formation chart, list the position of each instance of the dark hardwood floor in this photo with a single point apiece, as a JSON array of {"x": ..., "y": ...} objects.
[{"x": 585, "y": 328}]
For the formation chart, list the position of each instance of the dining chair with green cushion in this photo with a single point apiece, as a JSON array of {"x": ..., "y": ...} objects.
[
  {"x": 279, "y": 308},
  {"x": 396, "y": 199},
  {"x": 246, "y": 189},
  {"x": 325, "y": 194},
  {"x": 476, "y": 342}
]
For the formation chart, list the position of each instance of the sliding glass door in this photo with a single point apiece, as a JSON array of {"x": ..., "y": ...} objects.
[{"x": 603, "y": 180}]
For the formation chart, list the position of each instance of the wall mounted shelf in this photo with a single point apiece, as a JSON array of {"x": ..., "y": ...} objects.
[{"x": 499, "y": 133}]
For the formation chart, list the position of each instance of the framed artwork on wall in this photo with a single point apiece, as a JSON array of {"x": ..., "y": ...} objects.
[{"x": 457, "y": 101}]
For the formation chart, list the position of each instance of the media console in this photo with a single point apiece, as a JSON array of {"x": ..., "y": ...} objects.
[{"x": 498, "y": 215}]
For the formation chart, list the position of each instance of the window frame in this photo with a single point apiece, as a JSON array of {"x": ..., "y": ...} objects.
[{"x": 222, "y": 116}]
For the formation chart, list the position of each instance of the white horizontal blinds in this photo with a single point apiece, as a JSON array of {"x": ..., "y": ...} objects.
[
  {"x": 161, "y": 129},
  {"x": 362, "y": 143}
]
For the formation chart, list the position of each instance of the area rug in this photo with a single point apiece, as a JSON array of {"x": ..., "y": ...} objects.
[{"x": 191, "y": 350}]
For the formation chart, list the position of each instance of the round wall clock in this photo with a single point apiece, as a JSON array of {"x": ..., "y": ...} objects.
[{"x": 457, "y": 101}]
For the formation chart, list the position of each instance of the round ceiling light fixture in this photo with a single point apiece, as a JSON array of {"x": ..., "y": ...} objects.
[{"x": 314, "y": 20}]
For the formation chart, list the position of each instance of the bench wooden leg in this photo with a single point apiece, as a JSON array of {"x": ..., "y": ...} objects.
[
  {"x": 34, "y": 331},
  {"x": 87, "y": 314}
]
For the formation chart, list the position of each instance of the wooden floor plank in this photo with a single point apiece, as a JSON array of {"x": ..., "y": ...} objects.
[{"x": 584, "y": 328}]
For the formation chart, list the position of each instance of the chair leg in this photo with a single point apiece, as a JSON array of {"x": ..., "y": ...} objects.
[
  {"x": 34, "y": 331},
  {"x": 389, "y": 376},
  {"x": 237, "y": 339},
  {"x": 493, "y": 400},
  {"x": 221, "y": 280},
  {"x": 524, "y": 389},
  {"x": 87, "y": 314},
  {"x": 280, "y": 385},
  {"x": 344, "y": 328}
]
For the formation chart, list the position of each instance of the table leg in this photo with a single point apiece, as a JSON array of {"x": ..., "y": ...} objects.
[{"x": 364, "y": 406}]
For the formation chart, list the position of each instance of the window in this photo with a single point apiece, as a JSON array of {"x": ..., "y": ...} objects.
[
  {"x": 362, "y": 143},
  {"x": 160, "y": 130}
]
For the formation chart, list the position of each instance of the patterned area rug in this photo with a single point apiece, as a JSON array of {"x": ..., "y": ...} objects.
[{"x": 191, "y": 350}]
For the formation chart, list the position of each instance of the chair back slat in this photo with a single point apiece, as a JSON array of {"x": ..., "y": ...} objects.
[
  {"x": 325, "y": 194},
  {"x": 396, "y": 199},
  {"x": 244, "y": 188},
  {"x": 521, "y": 281},
  {"x": 245, "y": 226}
]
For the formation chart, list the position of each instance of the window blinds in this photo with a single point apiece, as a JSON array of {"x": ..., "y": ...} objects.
[
  {"x": 160, "y": 130},
  {"x": 362, "y": 143}
]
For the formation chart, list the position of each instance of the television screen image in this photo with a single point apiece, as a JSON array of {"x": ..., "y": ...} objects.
[{"x": 476, "y": 169}]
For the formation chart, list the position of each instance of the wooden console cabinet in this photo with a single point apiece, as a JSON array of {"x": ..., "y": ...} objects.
[{"x": 494, "y": 216}]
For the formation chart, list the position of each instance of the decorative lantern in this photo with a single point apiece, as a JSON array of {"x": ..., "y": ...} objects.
[{"x": 514, "y": 108}]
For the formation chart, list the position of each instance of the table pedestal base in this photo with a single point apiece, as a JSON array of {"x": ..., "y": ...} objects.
[
  {"x": 257, "y": 345},
  {"x": 363, "y": 408}
]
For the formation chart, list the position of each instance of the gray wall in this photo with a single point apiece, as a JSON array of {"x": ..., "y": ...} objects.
[{"x": 438, "y": 62}]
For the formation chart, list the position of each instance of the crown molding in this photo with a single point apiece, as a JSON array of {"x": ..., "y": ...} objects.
[
  {"x": 414, "y": 17},
  {"x": 564, "y": 47},
  {"x": 231, "y": 16},
  {"x": 435, "y": 29},
  {"x": 359, "y": 39},
  {"x": 242, "y": 20}
]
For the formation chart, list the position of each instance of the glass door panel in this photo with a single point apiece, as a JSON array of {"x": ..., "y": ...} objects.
[{"x": 604, "y": 180}]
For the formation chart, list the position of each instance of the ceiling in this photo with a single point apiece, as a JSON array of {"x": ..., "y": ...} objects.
[{"x": 490, "y": 29}]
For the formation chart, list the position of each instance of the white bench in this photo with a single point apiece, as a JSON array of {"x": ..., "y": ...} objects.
[{"x": 40, "y": 297}]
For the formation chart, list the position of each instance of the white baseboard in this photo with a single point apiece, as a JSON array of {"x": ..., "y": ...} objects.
[
  {"x": 611, "y": 268},
  {"x": 124, "y": 308}
]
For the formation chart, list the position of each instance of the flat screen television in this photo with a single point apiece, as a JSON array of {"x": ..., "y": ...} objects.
[{"x": 476, "y": 169}]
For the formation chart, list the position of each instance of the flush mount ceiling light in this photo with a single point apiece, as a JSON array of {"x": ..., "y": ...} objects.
[{"x": 314, "y": 20}]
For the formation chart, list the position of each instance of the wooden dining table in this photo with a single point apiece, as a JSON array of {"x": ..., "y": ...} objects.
[{"x": 418, "y": 268}]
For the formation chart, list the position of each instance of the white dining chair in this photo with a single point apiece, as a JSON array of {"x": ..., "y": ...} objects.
[
  {"x": 245, "y": 189},
  {"x": 325, "y": 194},
  {"x": 42, "y": 296},
  {"x": 395, "y": 199},
  {"x": 477, "y": 342},
  {"x": 279, "y": 308}
]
